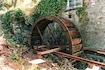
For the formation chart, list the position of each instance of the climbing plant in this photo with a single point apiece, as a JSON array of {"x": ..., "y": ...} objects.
[
  {"x": 50, "y": 7},
  {"x": 14, "y": 23},
  {"x": 47, "y": 7},
  {"x": 83, "y": 16}
]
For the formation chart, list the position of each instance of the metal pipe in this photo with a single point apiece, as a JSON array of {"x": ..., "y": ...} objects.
[
  {"x": 79, "y": 59},
  {"x": 82, "y": 59},
  {"x": 95, "y": 50}
]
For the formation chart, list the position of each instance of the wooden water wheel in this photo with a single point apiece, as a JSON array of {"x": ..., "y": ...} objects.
[{"x": 72, "y": 34}]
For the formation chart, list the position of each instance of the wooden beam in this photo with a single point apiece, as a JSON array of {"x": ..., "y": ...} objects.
[
  {"x": 52, "y": 50},
  {"x": 49, "y": 51}
]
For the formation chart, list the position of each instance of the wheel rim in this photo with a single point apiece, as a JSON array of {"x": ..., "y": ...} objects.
[{"x": 72, "y": 33}]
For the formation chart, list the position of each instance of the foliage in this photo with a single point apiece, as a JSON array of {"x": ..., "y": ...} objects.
[
  {"x": 34, "y": 67},
  {"x": 83, "y": 17},
  {"x": 0, "y": 7},
  {"x": 50, "y": 7},
  {"x": 55, "y": 35},
  {"x": 16, "y": 56},
  {"x": 81, "y": 65},
  {"x": 16, "y": 25},
  {"x": 47, "y": 7}
]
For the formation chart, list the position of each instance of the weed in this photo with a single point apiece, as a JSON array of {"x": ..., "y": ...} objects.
[
  {"x": 34, "y": 67},
  {"x": 16, "y": 55},
  {"x": 83, "y": 17},
  {"x": 14, "y": 23}
]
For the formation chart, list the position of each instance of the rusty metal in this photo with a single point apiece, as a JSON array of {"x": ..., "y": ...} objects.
[
  {"x": 94, "y": 50},
  {"x": 46, "y": 51},
  {"x": 75, "y": 49},
  {"x": 72, "y": 33},
  {"x": 74, "y": 57},
  {"x": 82, "y": 59},
  {"x": 40, "y": 33},
  {"x": 60, "y": 48}
]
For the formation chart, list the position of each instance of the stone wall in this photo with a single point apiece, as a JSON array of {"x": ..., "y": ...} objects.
[
  {"x": 95, "y": 30},
  {"x": 93, "y": 33}
]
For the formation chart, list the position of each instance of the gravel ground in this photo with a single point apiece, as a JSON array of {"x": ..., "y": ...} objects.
[{"x": 3, "y": 66}]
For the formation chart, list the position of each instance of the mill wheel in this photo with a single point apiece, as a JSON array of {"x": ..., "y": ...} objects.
[{"x": 72, "y": 34}]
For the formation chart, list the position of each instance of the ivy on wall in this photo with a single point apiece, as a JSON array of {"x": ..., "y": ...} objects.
[
  {"x": 14, "y": 23},
  {"x": 83, "y": 15},
  {"x": 50, "y": 7},
  {"x": 47, "y": 7}
]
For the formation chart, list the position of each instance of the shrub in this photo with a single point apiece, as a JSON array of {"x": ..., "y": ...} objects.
[
  {"x": 14, "y": 27},
  {"x": 14, "y": 22}
]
